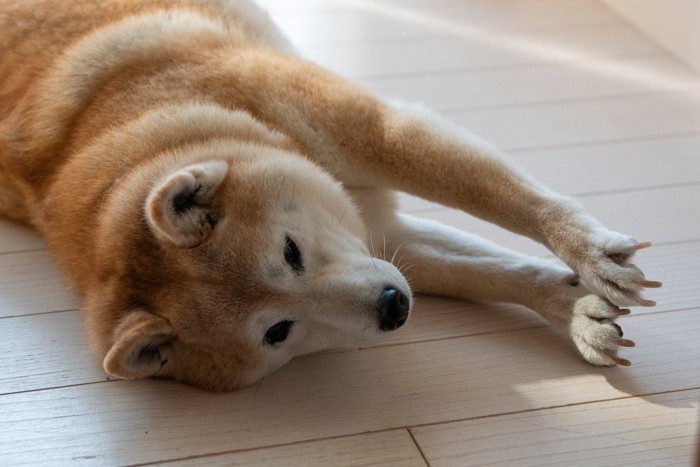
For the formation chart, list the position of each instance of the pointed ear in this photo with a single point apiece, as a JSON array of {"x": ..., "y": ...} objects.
[
  {"x": 141, "y": 346},
  {"x": 178, "y": 210}
]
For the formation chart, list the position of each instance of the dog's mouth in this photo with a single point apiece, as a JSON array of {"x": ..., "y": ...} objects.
[{"x": 393, "y": 308}]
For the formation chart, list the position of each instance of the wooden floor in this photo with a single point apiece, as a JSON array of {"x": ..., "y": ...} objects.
[{"x": 579, "y": 99}]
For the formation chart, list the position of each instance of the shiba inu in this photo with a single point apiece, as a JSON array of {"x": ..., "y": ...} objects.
[{"x": 218, "y": 202}]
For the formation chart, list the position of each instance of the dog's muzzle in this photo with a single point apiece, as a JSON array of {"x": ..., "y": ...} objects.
[{"x": 393, "y": 309}]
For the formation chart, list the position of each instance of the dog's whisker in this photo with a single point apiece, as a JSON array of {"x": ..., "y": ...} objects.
[
  {"x": 393, "y": 257},
  {"x": 399, "y": 264},
  {"x": 384, "y": 251},
  {"x": 371, "y": 243},
  {"x": 407, "y": 268}
]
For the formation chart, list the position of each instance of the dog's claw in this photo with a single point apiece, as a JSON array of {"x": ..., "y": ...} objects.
[
  {"x": 626, "y": 343},
  {"x": 623, "y": 312},
  {"x": 651, "y": 284},
  {"x": 621, "y": 361},
  {"x": 645, "y": 302},
  {"x": 640, "y": 246}
]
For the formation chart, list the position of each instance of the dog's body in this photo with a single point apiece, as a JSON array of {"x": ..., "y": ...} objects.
[{"x": 216, "y": 200}]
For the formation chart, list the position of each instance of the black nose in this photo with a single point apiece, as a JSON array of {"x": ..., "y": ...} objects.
[{"x": 393, "y": 309}]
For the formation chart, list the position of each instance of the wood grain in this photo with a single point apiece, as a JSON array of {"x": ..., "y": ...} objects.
[{"x": 30, "y": 283}]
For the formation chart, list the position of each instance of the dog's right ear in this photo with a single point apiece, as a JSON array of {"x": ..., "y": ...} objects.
[
  {"x": 142, "y": 343},
  {"x": 179, "y": 209}
]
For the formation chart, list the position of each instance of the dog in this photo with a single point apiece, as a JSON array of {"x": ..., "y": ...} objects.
[{"x": 218, "y": 202}]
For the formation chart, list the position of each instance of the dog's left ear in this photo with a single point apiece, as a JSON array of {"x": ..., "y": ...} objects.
[
  {"x": 179, "y": 209},
  {"x": 141, "y": 347}
]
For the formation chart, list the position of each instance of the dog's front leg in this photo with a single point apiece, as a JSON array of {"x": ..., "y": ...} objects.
[
  {"x": 365, "y": 141},
  {"x": 428, "y": 156},
  {"x": 437, "y": 259}
]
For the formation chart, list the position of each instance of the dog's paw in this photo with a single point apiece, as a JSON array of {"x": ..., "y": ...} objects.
[
  {"x": 595, "y": 333},
  {"x": 606, "y": 268}
]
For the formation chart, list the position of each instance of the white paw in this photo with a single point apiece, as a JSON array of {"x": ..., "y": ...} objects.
[
  {"x": 594, "y": 332},
  {"x": 604, "y": 265}
]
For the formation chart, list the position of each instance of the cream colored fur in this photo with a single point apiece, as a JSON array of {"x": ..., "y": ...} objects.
[{"x": 222, "y": 205}]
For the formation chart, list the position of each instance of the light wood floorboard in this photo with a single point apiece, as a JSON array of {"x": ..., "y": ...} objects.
[
  {"x": 471, "y": 50},
  {"x": 389, "y": 448},
  {"x": 349, "y": 21},
  {"x": 348, "y": 393},
  {"x": 648, "y": 431},
  {"x": 14, "y": 237},
  {"x": 32, "y": 284},
  {"x": 548, "y": 82},
  {"x": 580, "y": 122},
  {"x": 579, "y": 99}
]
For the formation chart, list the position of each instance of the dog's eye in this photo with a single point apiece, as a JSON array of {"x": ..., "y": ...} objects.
[
  {"x": 292, "y": 255},
  {"x": 278, "y": 332}
]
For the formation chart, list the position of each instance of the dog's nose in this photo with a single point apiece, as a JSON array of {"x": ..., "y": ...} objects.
[{"x": 393, "y": 309}]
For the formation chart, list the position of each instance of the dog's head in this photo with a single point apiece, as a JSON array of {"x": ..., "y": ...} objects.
[{"x": 234, "y": 266}]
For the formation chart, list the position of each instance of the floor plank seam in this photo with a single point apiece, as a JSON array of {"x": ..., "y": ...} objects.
[
  {"x": 40, "y": 313},
  {"x": 442, "y": 34},
  {"x": 667, "y": 186},
  {"x": 417, "y": 444},
  {"x": 67, "y": 386},
  {"x": 585, "y": 194},
  {"x": 270, "y": 446},
  {"x": 28, "y": 250},
  {"x": 622, "y": 57},
  {"x": 691, "y": 92},
  {"x": 600, "y": 142},
  {"x": 560, "y": 406},
  {"x": 543, "y": 102}
]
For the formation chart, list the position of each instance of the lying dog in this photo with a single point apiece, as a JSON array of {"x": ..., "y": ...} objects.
[{"x": 214, "y": 198}]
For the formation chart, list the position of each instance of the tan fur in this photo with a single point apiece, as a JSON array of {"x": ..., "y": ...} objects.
[{"x": 165, "y": 148}]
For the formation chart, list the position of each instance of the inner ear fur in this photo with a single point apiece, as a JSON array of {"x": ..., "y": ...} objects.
[
  {"x": 141, "y": 346},
  {"x": 179, "y": 210}
]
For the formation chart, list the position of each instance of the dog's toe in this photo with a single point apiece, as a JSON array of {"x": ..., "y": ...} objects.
[
  {"x": 595, "y": 333},
  {"x": 608, "y": 271}
]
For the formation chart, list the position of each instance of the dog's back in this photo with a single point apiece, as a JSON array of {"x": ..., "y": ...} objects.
[{"x": 55, "y": 56}]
